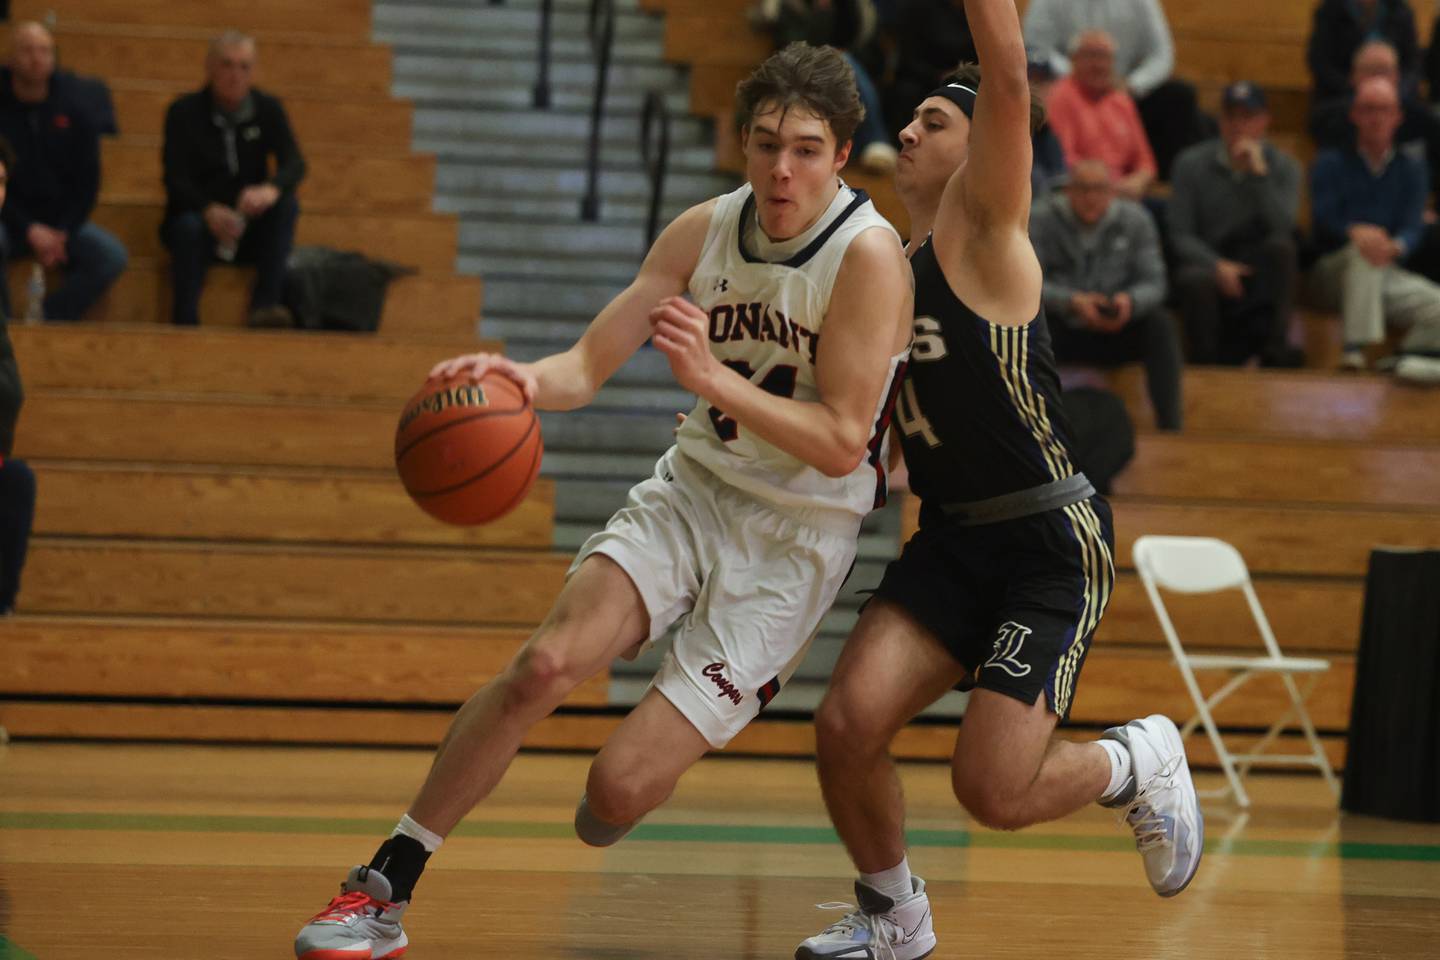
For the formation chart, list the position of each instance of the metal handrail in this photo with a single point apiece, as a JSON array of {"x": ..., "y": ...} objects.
[
  {"x": 654, "y": 160},
  {"x": 542, "y": 81},
  {"x": 602, "y": 40}
]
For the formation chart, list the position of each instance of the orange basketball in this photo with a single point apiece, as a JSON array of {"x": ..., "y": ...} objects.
[{"x": 468, "y": 452}]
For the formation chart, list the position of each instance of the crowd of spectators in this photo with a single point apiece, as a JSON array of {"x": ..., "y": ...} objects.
[
  {"x": 231, "y": 166},
  {"x": 1223, "y": 200}
]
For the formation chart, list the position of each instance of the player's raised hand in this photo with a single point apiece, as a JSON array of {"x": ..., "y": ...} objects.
[
  {"x": 680, "y": 330},
  {"x": 474, "y": 366}
]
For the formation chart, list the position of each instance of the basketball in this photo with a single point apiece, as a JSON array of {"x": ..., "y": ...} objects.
[{"x": 467, "y": 452}]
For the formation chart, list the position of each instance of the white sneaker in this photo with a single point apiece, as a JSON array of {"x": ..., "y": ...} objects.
[
  {"x": 360, "y": 924},
  {"x": 1161, "y": 806},
  {"x": 1417, "y": 369},
  {"x": 879, "y": 157},
  {"x": 1352, "y": 361},
  {"x": 879, "y": 929}
]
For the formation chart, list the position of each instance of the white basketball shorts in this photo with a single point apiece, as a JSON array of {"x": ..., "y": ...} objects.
[{"x": 744, "y": 584}]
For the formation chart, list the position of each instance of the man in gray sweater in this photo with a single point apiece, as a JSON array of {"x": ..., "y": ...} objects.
[
  {"x": 1232, "y": 226},
  {"x": 1105, "y": 284}
]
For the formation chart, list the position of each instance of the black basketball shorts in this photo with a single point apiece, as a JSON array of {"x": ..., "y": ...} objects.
[{"x": 1015, "y": 602}]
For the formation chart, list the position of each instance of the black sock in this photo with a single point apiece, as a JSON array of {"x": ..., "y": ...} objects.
[{"x": 401, "y": 859}]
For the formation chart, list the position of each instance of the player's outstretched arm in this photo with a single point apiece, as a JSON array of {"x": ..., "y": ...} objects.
[
  {"x": 981, "y": 229},
  {"x": 565, "y": 381},
  {"x": 867, "y": 323}
]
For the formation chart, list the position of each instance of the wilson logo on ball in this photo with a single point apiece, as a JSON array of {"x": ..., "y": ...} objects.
[{"x": 466, "y": 395}]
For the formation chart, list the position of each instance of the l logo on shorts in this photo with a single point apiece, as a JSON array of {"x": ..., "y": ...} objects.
[{"x": 1009, "y": 640}]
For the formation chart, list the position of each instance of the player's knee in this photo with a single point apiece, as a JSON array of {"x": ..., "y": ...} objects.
[
  {"x": 989, "y": 803},
  {"x": 539, "y": 676},
  {"x": 619, "y": 794},
  {"x": 844, "y": 728}
]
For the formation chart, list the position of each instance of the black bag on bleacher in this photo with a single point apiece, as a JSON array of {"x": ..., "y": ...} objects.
[
  {"x": 1102, "y": 434},
  {"x": 337, "y": 289}
]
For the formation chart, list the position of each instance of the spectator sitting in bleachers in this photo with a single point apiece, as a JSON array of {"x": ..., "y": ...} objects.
[
  {"x": 1095, "y": 118},
  {"x": 1105, "y": 284},
  {"x": 850, "y": 27},
  {"x": 1231, "y": 218},
  {"x": 931, "y": 37},
  {"x": 53, "y": 121},
  {"x": 1419, "y": 134},
  {"x": 222, "y": 201},
  {"x": 1368, "y": 205},
  {"x": 1339, "y": 29},
  {"x": 1419, "y": 128},
  {"x": 17, "y": 482},
  {"x": 1047, "y": 167},
  {"x": 1144, "y": 58}
]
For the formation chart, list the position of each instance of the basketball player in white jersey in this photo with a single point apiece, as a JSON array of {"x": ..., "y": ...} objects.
[
  {"x": 793, "y": 338},
  {"x": 1001, "y": 589}
]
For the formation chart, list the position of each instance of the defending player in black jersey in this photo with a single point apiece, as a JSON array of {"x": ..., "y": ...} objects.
[{"x": 1002, "y": 587}]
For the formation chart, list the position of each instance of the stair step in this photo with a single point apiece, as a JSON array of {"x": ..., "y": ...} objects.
[
  {"x": 626, "y": 432},
  {"x": 626, "y": 182},
  {"x": 575, "y": 152},
  {"x": 440, "y": 124},
  {"x": 556, "y": 239},
  {"x": 460, "y": 67},
  {"x": 567, "y": 48},
  {"x": 561, "y": 309},
  {"x": 401, "y": 25},
  {"x": 518, "y": 95},
  {"x": 539, "y": 264},
  {"x": 500, "y": 207}
]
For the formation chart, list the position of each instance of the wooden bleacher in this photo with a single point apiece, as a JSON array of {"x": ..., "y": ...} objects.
[{"x": 222, "y": 550}]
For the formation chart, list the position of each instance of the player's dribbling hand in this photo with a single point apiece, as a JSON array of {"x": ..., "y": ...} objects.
[
  {"x": 474, "y": 366},
  {"x": 680, "y": 330}
]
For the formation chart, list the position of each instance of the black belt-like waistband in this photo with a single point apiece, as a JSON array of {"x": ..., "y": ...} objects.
[{"x": 1021, "y": 503}]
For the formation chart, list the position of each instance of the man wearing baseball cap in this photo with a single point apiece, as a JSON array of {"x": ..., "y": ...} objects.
[{"x": 1232, "y": 226}]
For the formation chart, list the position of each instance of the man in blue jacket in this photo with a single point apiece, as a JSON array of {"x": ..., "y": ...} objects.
[
  {"x": 1368, "y": 205},
  {"x": 53, "y": 121},
  {"x": 221, "y": 199}
]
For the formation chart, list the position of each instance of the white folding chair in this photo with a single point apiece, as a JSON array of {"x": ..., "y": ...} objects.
[{"x": 1206, "y": 565}]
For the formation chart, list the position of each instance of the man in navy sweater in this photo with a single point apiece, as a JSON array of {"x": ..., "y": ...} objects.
[
  {"x": 53, "y": 121},
  {"x": 1368, "y": 206},
  {"x": 222, "y": 200}
]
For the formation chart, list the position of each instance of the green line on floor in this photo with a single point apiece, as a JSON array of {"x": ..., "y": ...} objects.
[
  {"x": 10, "y": 950},
  {"x": 708, "y": 833}
]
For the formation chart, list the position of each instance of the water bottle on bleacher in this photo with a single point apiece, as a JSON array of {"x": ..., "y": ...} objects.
[{"x": 35, "y": 294}]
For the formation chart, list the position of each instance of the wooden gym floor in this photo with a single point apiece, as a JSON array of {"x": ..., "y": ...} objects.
[{"x": 220, "y": 852}]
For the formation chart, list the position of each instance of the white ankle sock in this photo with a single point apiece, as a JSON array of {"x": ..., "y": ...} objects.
[
  {"x": 409, "y": 828},
  {"x": 893, "y": 883},
  {"x": 1119, "y": 768}
]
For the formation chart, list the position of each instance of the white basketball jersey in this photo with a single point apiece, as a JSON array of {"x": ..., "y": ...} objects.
[{"x": 766, "y": 320}]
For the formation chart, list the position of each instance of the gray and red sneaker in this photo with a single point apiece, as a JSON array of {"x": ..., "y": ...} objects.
[{"x": 360, "y": 924}]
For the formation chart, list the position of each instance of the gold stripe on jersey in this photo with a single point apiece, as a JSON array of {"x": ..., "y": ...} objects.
[
  {"x": 1010, "y": 345},
  {"x": 1099, "y": 570},
  {"x": 1000, "y": 346},
  {"x": 1038, "y": 404}
]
